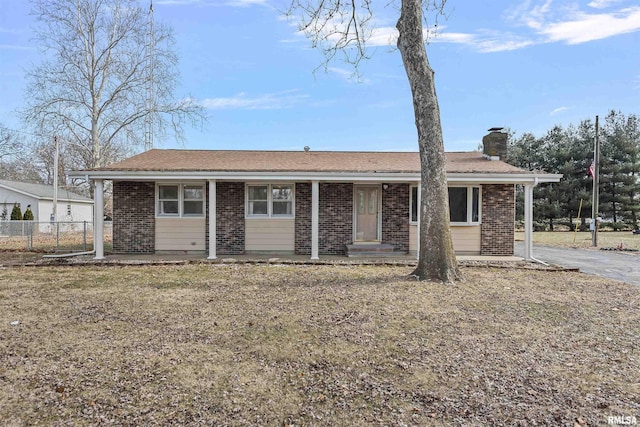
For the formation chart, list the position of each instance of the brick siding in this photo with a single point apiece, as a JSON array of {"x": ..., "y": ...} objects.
[
  {"x": 133, "y": 217},
  {"x": 303, "y": 219},
  {"x": 230, "y": 227},
  {"x": 395, "y": 216},
  {"x": 336, "y": 218},
  {"x": 498, "y": 216}
]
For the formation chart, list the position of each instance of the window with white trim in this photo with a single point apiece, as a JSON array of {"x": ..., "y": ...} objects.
[
  {"x": 464, "y": 205},
  {"x": 270, "y": 200},
  {"x": 182, "y": 200}
]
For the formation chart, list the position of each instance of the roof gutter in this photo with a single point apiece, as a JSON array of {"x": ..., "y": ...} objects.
[{"x": 458, "y": 177}]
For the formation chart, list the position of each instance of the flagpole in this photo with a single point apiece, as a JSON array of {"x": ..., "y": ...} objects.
[{"x": 596, "y": 187}]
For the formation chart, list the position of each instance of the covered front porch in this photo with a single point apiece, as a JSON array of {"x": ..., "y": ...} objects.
[{"x": 313, "y": 214}]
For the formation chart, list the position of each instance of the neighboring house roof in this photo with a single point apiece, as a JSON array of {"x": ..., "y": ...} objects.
[
  {"x": 225, "y": 164},
  {"x": 43, "y": 192}
]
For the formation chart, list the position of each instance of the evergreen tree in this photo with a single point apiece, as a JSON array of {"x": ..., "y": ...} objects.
[
  {"x": 28, "y": 215},
  {"x": 16, "y": 213},
  {"x": 620, "y": 168},
  {"x": 572, "y": 156}
]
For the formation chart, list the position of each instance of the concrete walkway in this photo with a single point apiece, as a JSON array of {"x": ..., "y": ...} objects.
[{"x": 623, "y": 266}]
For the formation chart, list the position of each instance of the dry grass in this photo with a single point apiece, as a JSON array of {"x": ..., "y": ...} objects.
[
  {"x": 312, "y": 345},
  {"x": 582, "y": 239},
  {"x": 67, "y": 241}
]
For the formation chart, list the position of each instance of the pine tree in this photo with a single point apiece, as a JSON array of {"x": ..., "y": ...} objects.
[
  {"x": 28, "y": 215},
  {"x": 16, "y": 213},
  {"x": 620, "y": 168}
]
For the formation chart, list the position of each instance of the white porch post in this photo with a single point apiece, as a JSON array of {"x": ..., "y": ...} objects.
[
  {"x": 98, "y": 219},
  {"x": 315, "y": 218},
  {"x": 528, "y": 221},
  {"x": 418, "y": 217},
  {"x": 212, "y": 219}
]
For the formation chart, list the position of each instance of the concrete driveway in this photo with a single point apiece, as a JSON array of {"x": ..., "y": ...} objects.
[{"x": 623, "y": 266}]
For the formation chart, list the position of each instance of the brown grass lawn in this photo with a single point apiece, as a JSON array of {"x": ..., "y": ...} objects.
[
  {"x": 582, "y": 239},
  {"x": 314, "y": 345}
]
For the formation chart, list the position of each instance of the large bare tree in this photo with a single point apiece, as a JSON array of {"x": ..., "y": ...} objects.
[
  {"x": 93, "y": 87},
  {"x": 344, "y": 26},
  {"x": 8, "y": 143}
]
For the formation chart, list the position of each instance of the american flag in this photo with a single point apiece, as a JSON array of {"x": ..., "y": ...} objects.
[{"x": 592, "y": 169}]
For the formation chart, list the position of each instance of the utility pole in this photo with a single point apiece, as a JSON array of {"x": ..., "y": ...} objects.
[
  {"x": 151, "y": 44},
  {"x": 54, "y": 214},
  {"x": 596, "y": 187}
]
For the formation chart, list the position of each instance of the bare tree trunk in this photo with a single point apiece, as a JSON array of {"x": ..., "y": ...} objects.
[{"x": 437, "y": 261}]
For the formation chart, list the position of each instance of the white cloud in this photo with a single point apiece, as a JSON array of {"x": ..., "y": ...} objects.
[
  {"x": 270, "y": 101},
  {"x": 602, "y": 4},
  {"x": 585, "y": 27},
  {"x": 345, "y": 74},
  {"x": 558, "y": 110},
  {"x": 497, "y": 45},
  {"x": 383, "y": 36},
  {"x": 543, "y": 22},
  {"x": 244, "y": 3},
  {"x": 530, "y": 16},
  {"x": 484, "y": 41},
  {"x": 178, "y": 2},
  {"x": 351, "y": 76},
  {"x": 462, "y": 38},
  {"x": 494, "y": 42}
]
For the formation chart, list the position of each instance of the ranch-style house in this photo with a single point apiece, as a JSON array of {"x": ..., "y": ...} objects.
[{"x": 305, "y": 202}]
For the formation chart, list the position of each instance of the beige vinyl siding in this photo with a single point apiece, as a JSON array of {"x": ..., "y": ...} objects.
[
  {"x": 277, "y": 235},
  {"x": 466, "y": 239},
  {"x": 413, "y": 238},
  {"x": 180, "y": 234}
]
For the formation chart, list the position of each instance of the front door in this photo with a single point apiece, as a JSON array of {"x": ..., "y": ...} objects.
[{"x": 366, "y": 204}]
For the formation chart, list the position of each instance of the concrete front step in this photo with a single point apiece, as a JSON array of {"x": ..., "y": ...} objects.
[{"x": 381, "y": 250}]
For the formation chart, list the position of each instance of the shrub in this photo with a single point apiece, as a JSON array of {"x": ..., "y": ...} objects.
[
  {"x": 16, "y": 213},
  {"x": 28, "y": 215}
]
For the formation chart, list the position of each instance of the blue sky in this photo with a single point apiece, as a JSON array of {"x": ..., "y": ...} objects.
[{"x": 526, "y": 65}]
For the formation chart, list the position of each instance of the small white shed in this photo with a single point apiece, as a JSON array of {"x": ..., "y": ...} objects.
[{"x": 71, "y": 206}]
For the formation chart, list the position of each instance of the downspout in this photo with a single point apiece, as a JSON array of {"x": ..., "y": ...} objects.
[{"x": 69, "y": 254}]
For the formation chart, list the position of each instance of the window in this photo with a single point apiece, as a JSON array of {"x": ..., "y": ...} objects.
[
  {"x": 258, "y": 200},
  {"x": 282, "y": 196},
  {"x": 464, "y": 205},
  {"x": 192, "y": 200},
  {"x": 414, "y": 204},
  {"x": 180, "y": 200},
  {"x": 270, "y": 200}
]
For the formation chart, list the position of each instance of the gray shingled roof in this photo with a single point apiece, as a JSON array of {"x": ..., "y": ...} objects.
[{"x": 40, "y": 191}]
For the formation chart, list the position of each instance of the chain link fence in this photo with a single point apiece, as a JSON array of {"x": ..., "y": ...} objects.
[{"x": 51, "y": 237}]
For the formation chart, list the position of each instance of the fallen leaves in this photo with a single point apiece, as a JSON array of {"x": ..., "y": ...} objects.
[{"x": 315, "y": 345}]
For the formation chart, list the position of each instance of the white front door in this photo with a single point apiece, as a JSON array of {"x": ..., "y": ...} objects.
[{"x": 367, "y": 201}]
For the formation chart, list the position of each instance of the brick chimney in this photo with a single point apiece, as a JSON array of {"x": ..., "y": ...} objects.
[{"x": 494, "y": 144}]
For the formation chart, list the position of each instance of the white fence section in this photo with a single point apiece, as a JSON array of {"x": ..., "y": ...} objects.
[{"x": 62, "y": 236}]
